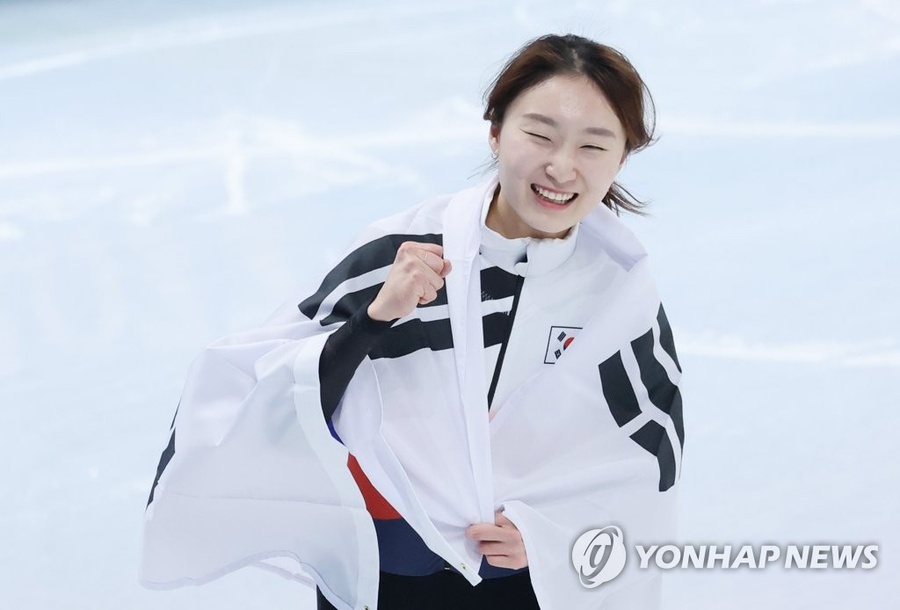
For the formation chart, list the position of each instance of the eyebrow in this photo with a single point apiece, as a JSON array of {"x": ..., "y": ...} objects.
[{"x": 597, "y": 131}]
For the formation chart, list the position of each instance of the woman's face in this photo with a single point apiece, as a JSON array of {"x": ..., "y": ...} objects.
[{"x": 558, "y": 151}]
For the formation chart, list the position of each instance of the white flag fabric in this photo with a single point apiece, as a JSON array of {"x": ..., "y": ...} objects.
[{"x": 252, "y": 475}]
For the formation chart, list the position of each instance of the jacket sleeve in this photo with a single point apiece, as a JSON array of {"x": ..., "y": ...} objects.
[{"x": 342, "y": 354}]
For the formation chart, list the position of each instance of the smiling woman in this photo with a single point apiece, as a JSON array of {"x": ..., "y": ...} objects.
[
  {"x": 558, "y": 162},
  {"x": 480, "y": 380},
  {"x": 594, "y": 101}
]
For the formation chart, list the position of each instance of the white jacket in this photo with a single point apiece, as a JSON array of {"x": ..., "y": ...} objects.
[{"x": 253, "y": 476}]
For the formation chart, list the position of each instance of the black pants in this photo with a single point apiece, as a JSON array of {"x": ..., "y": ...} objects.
[{"x": 448, "y": 590}]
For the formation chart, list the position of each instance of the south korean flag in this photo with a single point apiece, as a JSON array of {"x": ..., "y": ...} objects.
[{"x": 560, "y": 339}]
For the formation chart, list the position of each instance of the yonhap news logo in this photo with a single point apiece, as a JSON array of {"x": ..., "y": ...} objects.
[
  {"x": 756, "y": 557},
  {"x": 599, "y": 555}
]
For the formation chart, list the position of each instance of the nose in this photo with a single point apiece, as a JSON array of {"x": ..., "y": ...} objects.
[{"x": 561, "y": 166}]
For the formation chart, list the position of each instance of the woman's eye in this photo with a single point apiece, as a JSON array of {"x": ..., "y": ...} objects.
[
  {"x": 592, "y": 147},
  {"x": 537, "y": 135}
]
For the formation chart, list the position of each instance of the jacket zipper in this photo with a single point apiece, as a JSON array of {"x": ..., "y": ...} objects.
[{"x": 520, "y": 280}]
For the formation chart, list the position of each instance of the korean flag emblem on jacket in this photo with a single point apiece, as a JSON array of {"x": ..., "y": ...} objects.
[{"x": 560, "y": 339}]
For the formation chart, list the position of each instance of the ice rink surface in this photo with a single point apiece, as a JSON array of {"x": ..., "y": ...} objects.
[{"x": 172, "y": 172}]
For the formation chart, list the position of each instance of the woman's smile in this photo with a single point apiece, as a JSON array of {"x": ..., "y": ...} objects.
[{"x": 555, "y": 199}]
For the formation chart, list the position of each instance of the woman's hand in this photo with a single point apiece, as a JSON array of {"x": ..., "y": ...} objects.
[
  {"x": 416, "y": 275},
  {"x": 501, "y": 543}
]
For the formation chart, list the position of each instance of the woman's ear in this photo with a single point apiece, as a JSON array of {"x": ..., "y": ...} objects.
[{"x": 494, "y": 138}]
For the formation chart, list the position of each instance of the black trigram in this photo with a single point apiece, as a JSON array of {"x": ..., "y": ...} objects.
[{"x": 663, "y": 394}]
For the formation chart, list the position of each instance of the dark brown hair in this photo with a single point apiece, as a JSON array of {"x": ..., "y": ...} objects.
[{"x": 611, "y": 72}]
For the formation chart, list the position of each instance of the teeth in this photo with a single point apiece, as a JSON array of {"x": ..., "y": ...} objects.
[{"x": 555, "y": 197}]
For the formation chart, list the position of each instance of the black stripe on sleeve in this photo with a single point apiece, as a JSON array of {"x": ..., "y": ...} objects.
[
  {"x": 352, "y": 302},
  {"x": 652, "y": 437},
  {"x": 665, "y": 336},
  {"x": 412, "y": 336},
  {"x": 368, "y": 257},
  {"x": 618, "y": 391},
  {"x": 342, "y": 354}
]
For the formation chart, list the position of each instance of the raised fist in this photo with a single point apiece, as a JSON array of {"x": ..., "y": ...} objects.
[{"x": 417, "y": 273}]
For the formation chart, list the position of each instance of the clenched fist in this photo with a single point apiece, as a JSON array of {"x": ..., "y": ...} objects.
[{"x": 417, "y": 273}]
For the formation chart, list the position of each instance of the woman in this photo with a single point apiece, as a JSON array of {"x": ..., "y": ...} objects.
[{"x": 496, "y": 362}]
